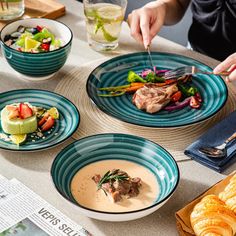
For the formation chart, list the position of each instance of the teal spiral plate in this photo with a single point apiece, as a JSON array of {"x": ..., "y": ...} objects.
[
  {"x": 115, "y": 147},
  {"x": 64, "y": 127},
  {"x": 211, "y": 87}
]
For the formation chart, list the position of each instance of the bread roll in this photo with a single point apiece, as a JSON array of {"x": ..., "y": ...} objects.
[
  {"x": 211, "y": 217},
  {"x": 229, "y": 194}
]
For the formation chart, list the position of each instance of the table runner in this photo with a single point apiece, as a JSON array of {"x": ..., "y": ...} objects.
[{"x": 94, "y": 121}]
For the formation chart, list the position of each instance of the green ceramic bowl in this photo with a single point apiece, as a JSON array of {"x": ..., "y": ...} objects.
[
  {"x": 37, "y": 65},
  {"x": 116, "y": 147}
]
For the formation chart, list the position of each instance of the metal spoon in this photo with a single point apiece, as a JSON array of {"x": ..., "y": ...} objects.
[{"x": 218, "y": 151}]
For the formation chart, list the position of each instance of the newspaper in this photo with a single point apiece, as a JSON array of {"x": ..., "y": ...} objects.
[{"x": 24, "y": 213}]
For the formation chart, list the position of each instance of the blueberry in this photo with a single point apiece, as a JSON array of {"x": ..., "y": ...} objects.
[{"x": 34, "y": 31}]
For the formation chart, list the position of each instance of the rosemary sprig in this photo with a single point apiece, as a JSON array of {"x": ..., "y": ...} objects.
[{"x": 111, "y": 176}]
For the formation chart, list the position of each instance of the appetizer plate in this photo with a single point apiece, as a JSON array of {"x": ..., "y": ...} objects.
[
  {"x": 64, "y": 127},
  {"x": 114, "y": 73},
  {"x": 116, "y": 147}
]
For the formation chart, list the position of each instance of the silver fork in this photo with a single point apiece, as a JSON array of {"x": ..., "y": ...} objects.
[{"x": 190, "y": 70}]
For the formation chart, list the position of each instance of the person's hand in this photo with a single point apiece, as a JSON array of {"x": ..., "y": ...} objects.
[
  {"x": 147, "y": 21},
  {"x": 229, "y": 64}
]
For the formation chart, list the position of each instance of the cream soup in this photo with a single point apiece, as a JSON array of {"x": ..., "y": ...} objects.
[{"x": 85, "y": 192}]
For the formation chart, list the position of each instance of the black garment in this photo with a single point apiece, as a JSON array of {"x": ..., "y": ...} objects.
[{"x": 213, "y": 31}]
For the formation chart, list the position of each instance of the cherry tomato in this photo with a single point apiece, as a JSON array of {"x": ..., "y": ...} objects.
[
  {"x": 170, "y": 81},
  {"x": 176, "y": 96},
  {"x": 44, "y": 119},
  {"x": 45, "y": 46},
  {"x": 48, "y": 124},
  {"x": 39, "y": 28},
  {"x": 198, "y": 97},
  {"x": 194, "y": 103}
]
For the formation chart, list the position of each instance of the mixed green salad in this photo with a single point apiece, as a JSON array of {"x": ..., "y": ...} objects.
[{"x": 34, "y": 40}]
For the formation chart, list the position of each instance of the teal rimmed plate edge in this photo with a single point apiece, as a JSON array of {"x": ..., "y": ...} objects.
[
  {"x": 57, "y": 143},
  {"x": 113, "y": 60},
  {"x": 74, "y": 202}
]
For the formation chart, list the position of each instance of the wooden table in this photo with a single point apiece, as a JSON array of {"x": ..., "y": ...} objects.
[{"x": 33, "y": 169}]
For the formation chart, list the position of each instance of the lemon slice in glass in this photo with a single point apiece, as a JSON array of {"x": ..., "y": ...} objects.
[
  {"x": 108, "y": 36},
  {"x": 31, "y": 44},
  {"x": 53, "y": 112},
  {"x": 110, "y": 13},
  {"x": 18, "y": 138}
]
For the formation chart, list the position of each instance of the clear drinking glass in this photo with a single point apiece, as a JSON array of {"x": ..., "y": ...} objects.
[
  {"x": 103, "y": 22},
  {"x": 11, "y": 9}
]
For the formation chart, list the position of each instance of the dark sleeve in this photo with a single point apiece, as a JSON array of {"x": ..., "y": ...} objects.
[{"x": 213, "y": 31}]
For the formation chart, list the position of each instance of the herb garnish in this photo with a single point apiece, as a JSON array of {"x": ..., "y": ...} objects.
[{"x": 111, "y": 176}]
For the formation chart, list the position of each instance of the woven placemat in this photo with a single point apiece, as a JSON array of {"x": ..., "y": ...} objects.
[{"x": 94, "y": 121}]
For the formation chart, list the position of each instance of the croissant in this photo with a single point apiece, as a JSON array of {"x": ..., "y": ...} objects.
[
  {"x": 229, "y": 194},
  {"x": 211, "y": 217}
]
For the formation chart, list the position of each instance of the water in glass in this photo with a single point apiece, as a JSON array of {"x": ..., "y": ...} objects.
[
  {"x": 103, "y": 21},
  {"x": 11, "y": 9}
]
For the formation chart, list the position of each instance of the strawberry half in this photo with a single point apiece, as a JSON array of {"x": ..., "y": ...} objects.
[
  {"x": 13, "y": 112},
  {"x": 48, "y": 124},
  {"x": 25, "y": 111}
]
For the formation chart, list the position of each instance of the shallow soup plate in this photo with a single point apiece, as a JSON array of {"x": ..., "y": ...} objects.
[{"x": 97, "y": 154}]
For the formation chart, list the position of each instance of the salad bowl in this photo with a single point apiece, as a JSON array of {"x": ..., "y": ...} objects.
[
  {"x": 37, "y": 66},
  {"x": 110, "y": 147},
  {"x": 114, "y": 72}
]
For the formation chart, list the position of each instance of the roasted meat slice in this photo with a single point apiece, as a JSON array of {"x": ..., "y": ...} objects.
[
  {"x": 117, "y": 183},
  {"x": 152, "y": 98}
]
